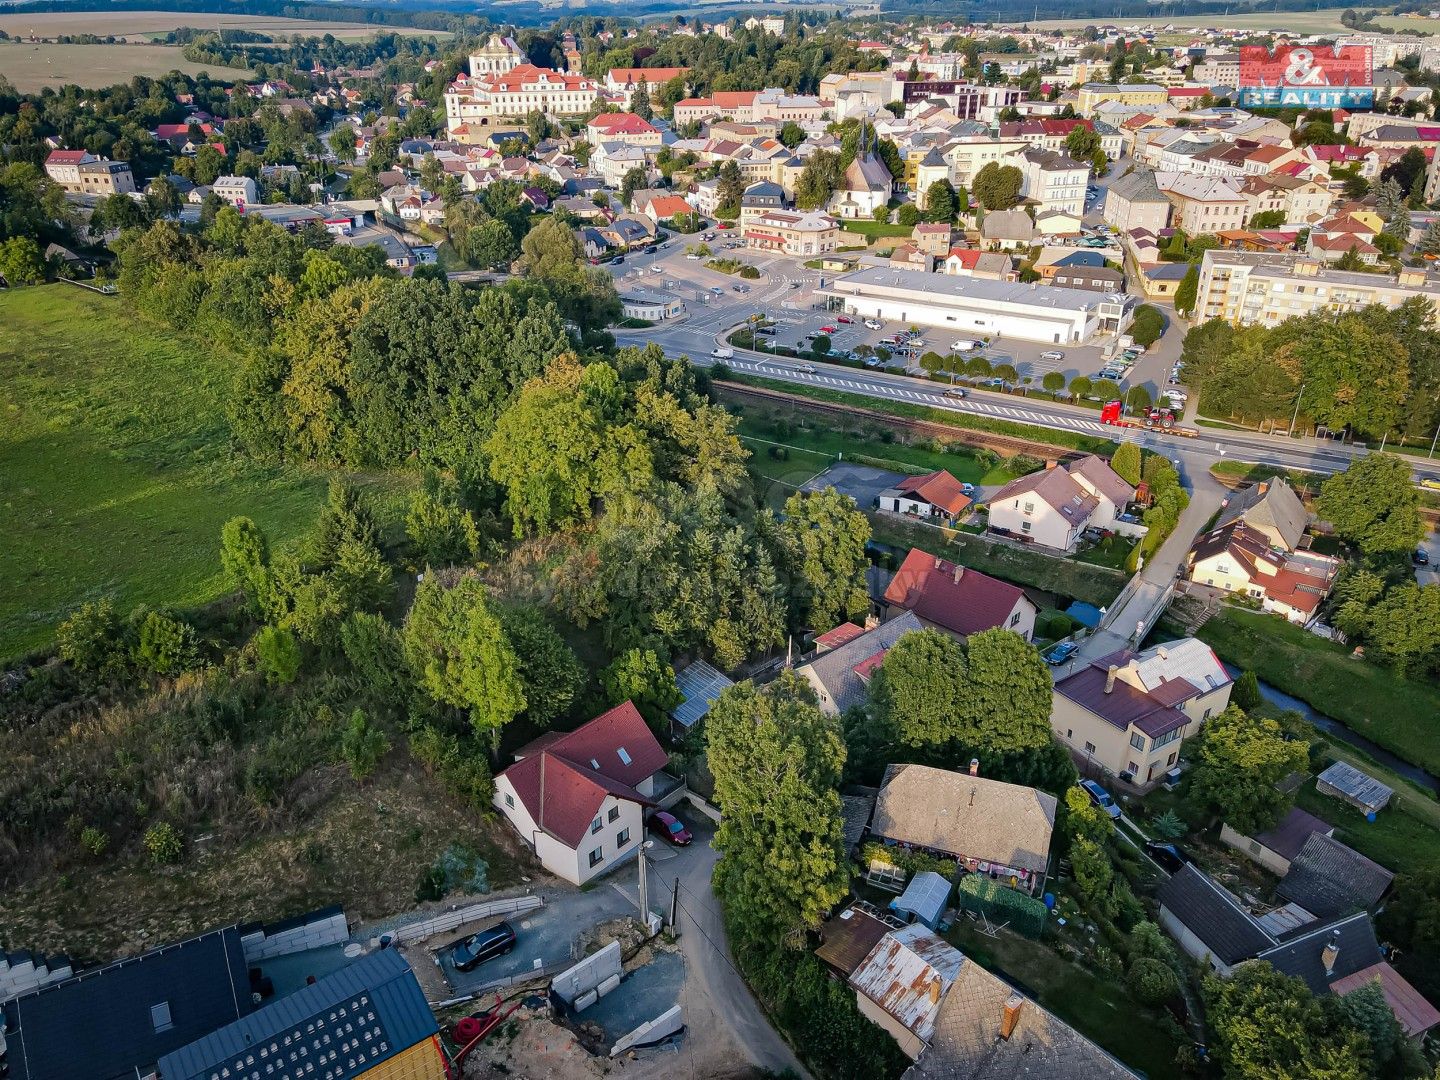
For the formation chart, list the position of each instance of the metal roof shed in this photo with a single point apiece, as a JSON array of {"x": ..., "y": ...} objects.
[
  {"x": 701, "y": 684},
  {"x": 924, "y": 898},
  {"x": 1346, "y": 782}
]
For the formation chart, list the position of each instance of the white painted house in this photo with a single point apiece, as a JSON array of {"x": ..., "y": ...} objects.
[{"x": 578, "y": 799}]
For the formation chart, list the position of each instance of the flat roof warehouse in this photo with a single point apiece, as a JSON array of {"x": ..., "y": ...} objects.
[{"x": 1040, "y": 313}]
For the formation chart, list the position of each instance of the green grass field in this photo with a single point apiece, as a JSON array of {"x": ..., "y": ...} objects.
[
  {"x": 117, "y": 464},
  {"x": 1399, "y": 714}
]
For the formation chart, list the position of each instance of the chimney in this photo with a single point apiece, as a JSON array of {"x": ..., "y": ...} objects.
[
  {"x": 972, "y": 796},
  {"x": 1330, "y": 953},
  {"x": 974, "y": 766},
  {"x": 1264, "y": 486},
  {"x": 1110, "y": 678},
  {"x": 1011, "y": 1016},
  {"x": 939, "y": 562},
  {"x": 959, "y": 570},
  {"x": 1049, "y": 464},
  {"x": 1163, "y": 653}
]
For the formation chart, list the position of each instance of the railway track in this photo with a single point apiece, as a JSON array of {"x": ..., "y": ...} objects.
[{"x": 1002, "y": 444}]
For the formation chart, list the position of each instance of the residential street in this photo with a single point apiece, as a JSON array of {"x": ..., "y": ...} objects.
[{"x": 715, "y": 994}]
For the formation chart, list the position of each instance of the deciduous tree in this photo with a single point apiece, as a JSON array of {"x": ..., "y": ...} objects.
[
  {"x": 824, "y": 539},
  {"x": 1239, "y": 761},
  {"x": 1373, "y": 504},
  {"x": 777, "y": 760}
]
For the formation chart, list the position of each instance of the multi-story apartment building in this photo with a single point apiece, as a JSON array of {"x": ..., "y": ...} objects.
[
  {"x": 623, "y": 82},
  {"x": 793, "y": 232},
  {"x": 1218, "y": 69},
  {"x": 1053, "y": 181},
  {"x": 1093, "y": 95},
  {"x": 105, "y": 177},
  {"x": 1261, "y": 288},
  {"x": 63, "y": 166},
  {"x": 748, "y": 106},
  {"x": 1203, "y": 204}
]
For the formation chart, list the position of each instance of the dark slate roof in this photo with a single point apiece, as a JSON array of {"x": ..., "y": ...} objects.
[
  {"x": 1329, "y": 879},
  {"x": 1301, "y": 954},
  {"x": 364, "y": 1014},
  {"x": 848, "y": 938},
  {"x": 855, "y": 811},
  {"x": 1289, "y": 835},
  {"x": 1213, "y": 915},
  {"x": 101, "y": 1025}
]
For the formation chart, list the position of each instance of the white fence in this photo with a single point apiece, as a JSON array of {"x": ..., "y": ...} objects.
[{"x": 419, "y": 931}]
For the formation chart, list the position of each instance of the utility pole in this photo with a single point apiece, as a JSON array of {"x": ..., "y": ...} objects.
[
  {"x": 644, "y": 896},
  {"x": 674, "y": 900},
  {"x": 1296, "y": 415}
]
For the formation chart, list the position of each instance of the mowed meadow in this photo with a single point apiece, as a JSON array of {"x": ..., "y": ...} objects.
[{"x": 116, "y": 464}]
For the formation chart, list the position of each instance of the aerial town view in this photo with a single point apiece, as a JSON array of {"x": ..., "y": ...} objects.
[{"x": 773, "y": 539}]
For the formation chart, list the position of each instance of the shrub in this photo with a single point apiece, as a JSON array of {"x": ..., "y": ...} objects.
[
  {"x": 1024, "y": 463},
  {"x": 1148, "y": 325},
  {"x": 1059, "y": 626},
  {"x": 278, "y": 654},
  {"x": 462, "y": 767},
  {"x": 163, "y": 843},
  {"x": 749, "y": 273},
  {"x": 362, "y": 745},
  {"x": 1000, "y": 903},
  {"x": 165, "y": 645},
  {"x": 1168, "y": 826},
  {"x": 93, "y": 840},
  {"x": 1153, "y": 982},
  {"x": 92, "y": 639},
  {"x": 779, "y": 453}
]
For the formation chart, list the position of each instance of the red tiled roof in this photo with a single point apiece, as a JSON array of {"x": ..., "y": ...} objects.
[
  {"x": 845, "y": 632},
  {"x": 625, "y": 123},
  {"x": 968, "y": 257},
  {"x": 667, "y": 206},
  {"x": 651, "y": 76},
  {"x": 1064, "y": 127},
  {"x": 950, "y": 596},
  {"x": 867, "y": 667},
  {"x": 938, "y": 489},
  {"x": 66, "y": 157},
  {"x": 1416, "y": 1015},
  {"x": 576, "y": 770}
]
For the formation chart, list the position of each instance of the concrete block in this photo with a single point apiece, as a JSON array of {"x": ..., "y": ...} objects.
[
  {"x": 652, "y": 1031},
  {"x": 585, "y": 1000},
  {"x": 610, "y": 983}
]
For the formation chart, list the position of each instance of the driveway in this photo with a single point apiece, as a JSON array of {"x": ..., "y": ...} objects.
[
  {"x": 544, "y": 937},
  {"x": 715, "y": 996},
  {"x": 861, "y": 482}
]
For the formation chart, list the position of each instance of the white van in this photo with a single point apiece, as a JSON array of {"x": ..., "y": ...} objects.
[
  {"x": 722, "y": 352},
  {"x": 965, "y": 345}
]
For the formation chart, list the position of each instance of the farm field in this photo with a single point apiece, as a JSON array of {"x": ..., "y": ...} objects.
[
  {"x": 34, "y": 67},
  {"x": 1322, "y": 21},
  {"x": 144, "y": 25},
  {"x": 118, "y": 466}
]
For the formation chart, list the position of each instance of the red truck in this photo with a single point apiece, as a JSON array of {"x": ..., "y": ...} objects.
[{"x": 1157, "y": 417}]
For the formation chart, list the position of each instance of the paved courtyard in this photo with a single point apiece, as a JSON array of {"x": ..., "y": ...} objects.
[{"x": 861, "y": 482}]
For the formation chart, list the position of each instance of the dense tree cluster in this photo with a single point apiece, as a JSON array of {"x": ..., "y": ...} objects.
[{"x": 1373, "y": 372}]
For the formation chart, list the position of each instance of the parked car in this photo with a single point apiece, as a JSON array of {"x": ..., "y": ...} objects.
[
  {"x": 474, "y": 950},
  {"x": 768, "y": 331},
  {"x": 669, "y": 827},
  {"x": 651, "y": 250},
  {"x": 692, "y": 256},
  {"x": 1058, "y": 654},
  {"x": 1053, "y": 354},
  {"x": 619, "y": 259},
  {"x": 845, "y": 319},
  {"x": 872, "y": 361},
  {"x": 874, "y": 324},
  {"x": 1421, "y": 557},
  {"x": 827, "y": 329},
  {"x": 968, "y": 490},
  {"x": 1168, "y": 856},
  {"x": 657, "y": 269},
  {"x": 965, "y": 345},
  {"x": 725, "y": 225},
  {"x": 1101, "y": 798}
]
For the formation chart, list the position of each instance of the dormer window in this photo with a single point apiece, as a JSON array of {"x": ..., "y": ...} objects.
[{"x": 624, "y": 756}]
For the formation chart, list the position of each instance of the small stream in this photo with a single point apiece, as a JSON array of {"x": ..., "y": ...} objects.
[{"x": 1331, "y": 726}]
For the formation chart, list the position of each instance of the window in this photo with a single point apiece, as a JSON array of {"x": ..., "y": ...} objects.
[
  {"x": 614, "y": 814},
  {"x": 1015, "y": 619},
  {"x": 595, "y": 825},
  {"x": 1069, "y": 733},
  {"x": 622, "y": 838},
  {"x": 1171, "y": 759},
  {"x": 1138, "y": 742},
  {"x": 1207, "y": 715},
  {"x": 596, "y": 857},
  {"x": 160, "y": 1017},
  {"x": 510, "y": 800},
  {"x": 1089, "y": 748},
  {"x": 1025, "y": 526},
  {"x": 624, "y": 756},
  {"x": 1254, "y": 847},
  {"x": 1029, "y": 508}
]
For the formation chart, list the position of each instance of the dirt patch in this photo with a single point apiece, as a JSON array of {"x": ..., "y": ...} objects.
[{"x": 364, "y": 848}]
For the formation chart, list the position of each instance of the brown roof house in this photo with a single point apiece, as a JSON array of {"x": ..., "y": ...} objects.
[
  {"x": 902, "y": 982},
  {"x": 949, "y": 597},
  {"x": 1128, "y": 712},
  {"x": 985, "y": 1029},
  {"x": 934, "y": 495},
  {"x": 1055, "y": 506},
  {"x": 1238, "y": 558},
  {"x": 579, "y": 798},
  {"x": 986, "y": 826}
]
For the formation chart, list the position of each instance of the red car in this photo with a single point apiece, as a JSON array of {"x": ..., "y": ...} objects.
[
  {"x": 827, "y": 329},
  {"x": 670, "y": 828},
  {"x": 724, "y": 225},
  {"x": 846, "y": 320}
]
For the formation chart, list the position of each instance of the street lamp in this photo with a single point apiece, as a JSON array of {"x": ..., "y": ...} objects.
[{"x": 1296, "y": 414}]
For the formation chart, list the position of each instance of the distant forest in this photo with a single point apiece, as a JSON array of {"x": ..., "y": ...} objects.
[{"x": 467, "y": 16}]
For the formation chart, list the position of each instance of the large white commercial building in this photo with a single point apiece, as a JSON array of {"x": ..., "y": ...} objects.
[
  {"x": 1245, "y": 287},
  {"x": 975, "y": 307}
]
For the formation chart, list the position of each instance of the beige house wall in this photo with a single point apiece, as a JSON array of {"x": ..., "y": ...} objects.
[{"x": 909, "y": 1042}]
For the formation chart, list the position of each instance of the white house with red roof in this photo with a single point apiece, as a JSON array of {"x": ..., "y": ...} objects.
[
  {"x": 955, "y": 599},
  {"x": 622, "y": 127},
  {"x": 936, "y": 494},
  {"x": 579, "y": 799},
  {"x": 63, "y": 166}
]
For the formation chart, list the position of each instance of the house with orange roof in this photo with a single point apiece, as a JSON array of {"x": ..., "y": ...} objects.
[{"x": 936, "y": 495}]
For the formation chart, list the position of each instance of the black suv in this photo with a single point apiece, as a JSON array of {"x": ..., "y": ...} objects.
[{"x": 487, "y": 944}]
